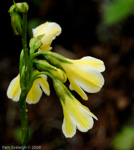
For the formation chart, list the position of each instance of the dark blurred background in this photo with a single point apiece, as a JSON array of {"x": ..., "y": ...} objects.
[{"x": 102, "y": 29}]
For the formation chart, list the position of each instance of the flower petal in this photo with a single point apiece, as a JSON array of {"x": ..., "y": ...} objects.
[
  {"x": 68, "y": 126},
  {"x": 34, "y": 94},
  {"x": 90, "y": 82},
  {"x": 14, "y": 89},
  {"x": 77, "y": 88},
  {"x": 84, "y": 122},
  {"x": 44, "y": 84},
  {"x": 86, "y": 109},
  {"x": 88, "y": 63},
  {"x": 83, "y": 119},
  {"x": 40, "y": 29},
  {"x": 75, "y": 114},
  {"x": 51, "y": 30}
]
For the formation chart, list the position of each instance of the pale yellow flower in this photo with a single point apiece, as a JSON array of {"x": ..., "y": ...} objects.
[
  {"x": 85, "y": 75},
  {"x": 50, "y": 31},
  {"x": 35, "y": 92},
  {"x": 76, "y": 115}
]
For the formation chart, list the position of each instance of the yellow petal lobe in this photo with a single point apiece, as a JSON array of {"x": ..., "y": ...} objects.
[
  {"x": 14, "y": 89},
  {"x": 50, "y": 31},
  {"x": 44, "y": 84},
  {"x": 34, "y": 94},
  {"x": 68, "y": 126},
  {"x": 76, "y": 115}
]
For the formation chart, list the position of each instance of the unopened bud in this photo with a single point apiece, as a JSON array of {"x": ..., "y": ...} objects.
[
  {"x": 16, "y": 23},
  {"x": 22, "y": 7},
  {"x": 12, "y": 9},
  {"x": 19, "y": 7}
]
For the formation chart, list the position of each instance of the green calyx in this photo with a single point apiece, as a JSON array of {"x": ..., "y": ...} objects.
[
  {"x": 35, "y": 43},
  {"x": 61, "y": 90},
  {"x": 43, "y": 65},
  {"x": 57, "y": 57},
  {"x": 27, "y": 78},
  {"x": 54, "y": 58}
]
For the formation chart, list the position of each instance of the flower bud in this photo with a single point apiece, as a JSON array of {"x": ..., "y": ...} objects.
[
  {"x": 22, "y": 7},
  {"x": 12, "y": 9},
  {"x": 19, "y": 7},
  {"x": 16, "y": 23}
]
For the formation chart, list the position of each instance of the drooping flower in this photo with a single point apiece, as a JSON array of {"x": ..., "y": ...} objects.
[
  {"x": 84, "y": 74},
  {"x": 76, "y": 115},
  {"x": 35, "y": 92},
  {"x": 50, "y": 31}
]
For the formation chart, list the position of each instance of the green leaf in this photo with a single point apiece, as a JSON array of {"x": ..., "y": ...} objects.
[
  {"x": 118, "y": 11},
  {"x": 125, "y": 139}
]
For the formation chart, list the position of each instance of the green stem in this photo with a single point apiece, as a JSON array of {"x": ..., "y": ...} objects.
[
  {"x": 43, "y": 53},
  {"x": 46, "y": 73},
  {"x": 24, "y": 90},
  {"x": 23, "y": 116},
  {"x": 24, "y": 38}
]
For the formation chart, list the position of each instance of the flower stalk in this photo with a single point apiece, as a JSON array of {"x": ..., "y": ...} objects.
[
  {"x": 23, "y": 116},
  {"x": 24, "y": 38},
  {"x": 24, "y": 88}
]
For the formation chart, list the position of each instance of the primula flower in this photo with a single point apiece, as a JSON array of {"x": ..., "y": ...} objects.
[
  {"x": 84, "y": 74},
  {"x": 76, "y": 115},
  {"x": 50, "y": 31},
  {"x": 35, "y": 92}
]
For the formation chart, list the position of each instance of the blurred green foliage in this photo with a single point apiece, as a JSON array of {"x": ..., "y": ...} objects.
[
  {"x": 17, "y": 134},
  {"x": 118, "y": 10},
  {"x": 125, "y": 139}
]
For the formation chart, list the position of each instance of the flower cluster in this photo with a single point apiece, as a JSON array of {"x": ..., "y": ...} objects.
[{"x": 83, "y": 74}]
